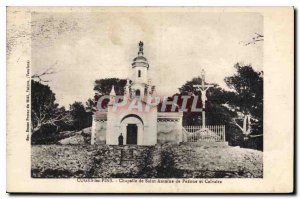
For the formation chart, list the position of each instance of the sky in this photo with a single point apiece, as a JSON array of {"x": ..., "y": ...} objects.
[{"x": 82, "y": 47}]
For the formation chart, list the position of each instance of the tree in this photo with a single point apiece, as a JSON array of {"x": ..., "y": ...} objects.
[
  {"x": 103, "y": 86},
  {"x": 254, "y": 40},
  {"x": 90, "y": 105},
  {"x": 44, "y": 110},
  {"x": 81, "y": 118},
  {"x": 39, "y": 77},
  {"x": 248, "y": 95}
]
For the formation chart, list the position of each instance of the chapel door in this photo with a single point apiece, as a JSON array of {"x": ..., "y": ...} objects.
[{"x": 131, "y": 137}]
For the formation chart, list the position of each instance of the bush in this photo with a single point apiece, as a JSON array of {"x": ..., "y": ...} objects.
[{"x": 166, "y": 168}]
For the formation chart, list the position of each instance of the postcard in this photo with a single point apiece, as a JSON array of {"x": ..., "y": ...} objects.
[{"x": 150, "y": 99}]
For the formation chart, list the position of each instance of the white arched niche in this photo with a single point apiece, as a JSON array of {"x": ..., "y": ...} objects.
[{"x": 131, "y": 120}]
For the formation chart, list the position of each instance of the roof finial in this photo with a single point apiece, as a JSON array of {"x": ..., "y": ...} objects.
[
  {"x": 112, "y": 92},
  {"x": 141, "y": 48}
]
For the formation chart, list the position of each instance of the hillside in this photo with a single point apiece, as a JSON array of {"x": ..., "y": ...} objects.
[{"x": 161, "y": 161}]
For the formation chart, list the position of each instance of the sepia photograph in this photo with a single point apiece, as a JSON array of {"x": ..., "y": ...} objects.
[{"x": 121, "y": 98}]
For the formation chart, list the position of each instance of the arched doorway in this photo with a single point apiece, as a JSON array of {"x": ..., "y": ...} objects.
[{"x": 133, "y": 127}]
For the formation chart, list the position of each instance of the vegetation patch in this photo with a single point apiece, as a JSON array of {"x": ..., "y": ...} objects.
[{"x": 160, "y": 161}]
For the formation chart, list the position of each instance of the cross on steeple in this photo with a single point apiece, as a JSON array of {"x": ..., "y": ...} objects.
[{"x": 141, "y": 49}]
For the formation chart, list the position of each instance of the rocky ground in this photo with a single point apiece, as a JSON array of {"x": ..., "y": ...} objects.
[
  {"x": 161, "y": 161},
  {"x": 216, "y": 161},
  {"x": 74, "y": 138}
]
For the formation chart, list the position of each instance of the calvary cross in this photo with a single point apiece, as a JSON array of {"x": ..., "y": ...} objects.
[{"x": 203, "y": 88}]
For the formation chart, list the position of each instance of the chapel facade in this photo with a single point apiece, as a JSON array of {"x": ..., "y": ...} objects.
[{"x": 130, "y": 125}]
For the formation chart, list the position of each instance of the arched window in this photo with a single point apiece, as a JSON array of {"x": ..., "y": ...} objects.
[
  {"x": 139, "y": 73},
  {"x": 137, "y": 93}
]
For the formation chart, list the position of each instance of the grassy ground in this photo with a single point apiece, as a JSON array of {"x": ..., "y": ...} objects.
[{"x": 161, "y": 161}]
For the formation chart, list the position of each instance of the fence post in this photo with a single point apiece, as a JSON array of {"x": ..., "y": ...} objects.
[
  {"x": 220, "y": 133},
  {"x": 224, "y": 133}
]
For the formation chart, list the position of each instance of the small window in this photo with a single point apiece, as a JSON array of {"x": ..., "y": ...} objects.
[{"x": 139, "y": 73}]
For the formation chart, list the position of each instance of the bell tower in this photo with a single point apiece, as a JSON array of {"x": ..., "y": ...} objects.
[{"x": 140, "y": 68}]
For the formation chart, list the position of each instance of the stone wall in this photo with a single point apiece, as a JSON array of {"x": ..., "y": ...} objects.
[
  {"x": 99, "y": 125},
  {"x": 169, "y": 128},
  {"x": 166, "y": 132},
  {"x": 100, "y": 132}
]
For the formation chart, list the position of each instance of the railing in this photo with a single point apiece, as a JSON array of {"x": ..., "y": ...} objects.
[{"x": 211, "y": 133}]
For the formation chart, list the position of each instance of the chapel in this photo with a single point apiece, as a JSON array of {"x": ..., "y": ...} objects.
[{"x": 127, "y": 125}]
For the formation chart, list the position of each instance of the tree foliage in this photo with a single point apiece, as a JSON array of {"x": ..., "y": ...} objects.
[
  {"x": 248, "y": 94},
  {"x": 81, "y": 118},
  {"x": 44, "y": 109},
  {"x": 103, "y": 86},
  {"x": 48, "y": 119}
]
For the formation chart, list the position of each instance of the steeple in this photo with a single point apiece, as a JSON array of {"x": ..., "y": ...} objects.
[{"x": 140, "y": 60}]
